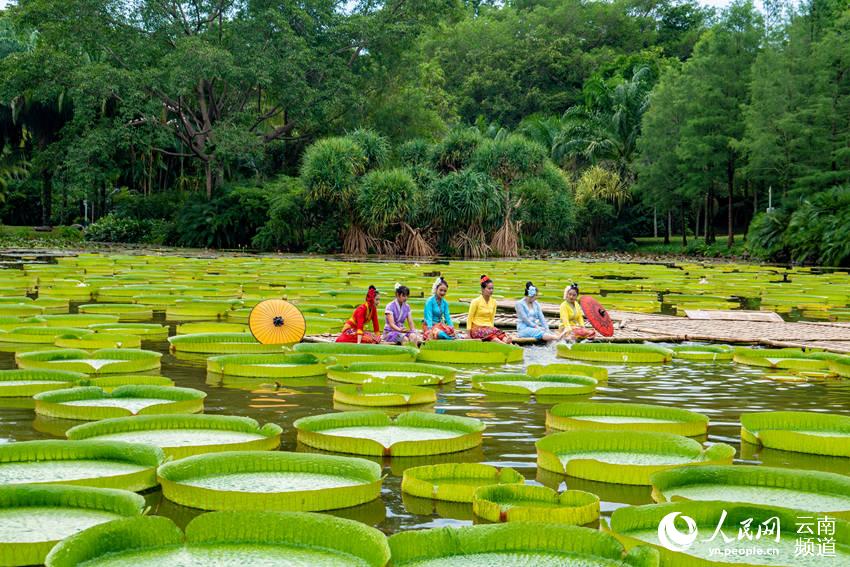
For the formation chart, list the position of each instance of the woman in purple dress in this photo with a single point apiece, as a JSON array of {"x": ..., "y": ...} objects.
[{"x": 399, "y": 322}]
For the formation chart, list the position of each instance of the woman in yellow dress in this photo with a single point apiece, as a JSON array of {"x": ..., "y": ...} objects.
[
  {"x": 572, "y": 317},
  {"x": 481, "y": 321}
]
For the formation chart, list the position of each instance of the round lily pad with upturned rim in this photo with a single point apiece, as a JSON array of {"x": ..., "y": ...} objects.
[
  {"x": 184, "y": 435},
  {"x": 600, "y": 373},
  {"x": 626, "y": 457},
  {"x": 383, "y": 395},
  {"x": 35, "y": 517},
  {"x": 41, "y": 335},
  {"x": 703, "y": 353},
  {"x": 126, "y": 312},
  {"x": 148, "y": 331},
  {"x": 21, "y": 383},
  {"x": 398, "y": 373},
  {"x": 79, "y": 319},
  {"x": 126, "y": 466},
  {"x": 542, "y": 385},
  {"x": 528, "y": 503},
  {"x": 515, "y": 543},
  {"x": 412, "y": 433},
  {"x": 344, "y": 353},
  {"x": 270, "y": 480},
  {"x": 455, "y": 482},
  {"x": 99, "y": 341},
  {"x": 626, "y": 417},
  {"x": 92, "y": 403},
  {"x": 626, "y": 353},
  {"x": 222, "y": 343},
  {"x": 112, "y": 381},
  {"x": 799, "y": 431},
  {"x": 469, "y": 352},
  {"x": 103, "y": 361},
  {"x": 226, "y": 538},
  {"x": 816, "y": 491},
  {"x": 266, "y": 365},
  {"x": 639, "y": 525}
]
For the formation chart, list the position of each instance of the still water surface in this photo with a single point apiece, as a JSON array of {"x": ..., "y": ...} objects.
[{"x": 721, "y": 391}]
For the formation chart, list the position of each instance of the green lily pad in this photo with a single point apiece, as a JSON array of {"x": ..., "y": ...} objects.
[
  {"x": 804, "y": 432},
  {"x": 626, "y": 417},
  {"x": 398, "y": 373},
  {"x": 266, "y": 365},
  {"x": 226, "y": 538},
  {"x": 25, "y": 383},
  {"x": 383, "y": 395},
  {"x": 615, "y": 353},
  {"x": 526, "y": 503},
  {"x": 541, "y": 385},
  {"x": 184, "y": 435},
  {"x": 103, "y": 361},
  {"x": 455, "y": 482},
  {"x": 93, "y": 403},
  {"x": 270, "y": 480}
]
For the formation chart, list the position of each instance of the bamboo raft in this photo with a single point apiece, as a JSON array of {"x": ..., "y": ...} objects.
[{"x": 735, "y": 327}]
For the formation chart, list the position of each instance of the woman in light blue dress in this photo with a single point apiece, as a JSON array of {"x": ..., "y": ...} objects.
[
  {"x": 531, "y": 324},
  {"x": 437, "y": 321}
]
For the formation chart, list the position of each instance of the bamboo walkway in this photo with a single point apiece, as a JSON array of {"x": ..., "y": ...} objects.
[{"x": 720, "y": 327}]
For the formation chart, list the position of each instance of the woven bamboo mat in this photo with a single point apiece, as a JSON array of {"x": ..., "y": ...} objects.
[{"x": 718, "y": 315}]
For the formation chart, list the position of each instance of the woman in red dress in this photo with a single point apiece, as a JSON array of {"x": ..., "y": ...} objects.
[{"x": 353, "y": 331}]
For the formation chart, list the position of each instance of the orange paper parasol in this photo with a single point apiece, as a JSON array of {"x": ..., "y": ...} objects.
[
  {"x": 277, "y": 322},
  {"x": 597, "y": 316}
]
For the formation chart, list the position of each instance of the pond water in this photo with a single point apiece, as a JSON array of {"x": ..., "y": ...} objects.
[{"x": 721, "y": 391}]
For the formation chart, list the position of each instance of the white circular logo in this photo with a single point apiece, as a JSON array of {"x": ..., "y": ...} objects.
[{"x": 669, "y": 535}]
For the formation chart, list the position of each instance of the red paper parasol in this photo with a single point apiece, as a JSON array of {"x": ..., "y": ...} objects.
[
  {"x": 276, "y": 322},
  {"x": 597, "y": 316}
]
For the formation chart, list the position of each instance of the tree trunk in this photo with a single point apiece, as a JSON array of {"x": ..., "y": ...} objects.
[
  {"x": 46, "y": 197},
  {"x": 705, "y": 220},
  {"x": 696, "y": 222},
  {"x": 667, "y": 230},
  {"x": 709, "y": 234},
  {"x": 209, "y": 177},
  {"x": 730, "y": 185},
  {"x": 655, "y": 221},
  {"x": 684, "y": 229}
]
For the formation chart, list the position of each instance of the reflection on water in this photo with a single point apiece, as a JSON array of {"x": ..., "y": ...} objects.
[{"x": 720, "y": 391}]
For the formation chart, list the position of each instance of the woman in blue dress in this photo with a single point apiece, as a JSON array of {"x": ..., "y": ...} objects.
[
  {"x": 437, "y": 322},
  {"x": 531, "y": 324}
]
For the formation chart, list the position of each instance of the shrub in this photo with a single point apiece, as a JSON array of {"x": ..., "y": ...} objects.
[
  {"x": 454, "y": 152},
  {"x": 766, "y": 236},
  {"x": 229, "y": 220},
  {"x": 114, "y": 228}
]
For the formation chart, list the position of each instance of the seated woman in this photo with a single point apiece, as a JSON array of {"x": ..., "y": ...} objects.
[
  {"x": 437, "y": 322},
  {"x": 531, "y": 324},
  {"x": 398, "y": 316},
  {"x": 572, "y": 317},
  {"x": 353, "y": 332},
  {"x": 481, "y": 321}
]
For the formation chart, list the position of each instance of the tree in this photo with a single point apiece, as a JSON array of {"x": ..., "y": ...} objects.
[{"x": 711, "y": 136}]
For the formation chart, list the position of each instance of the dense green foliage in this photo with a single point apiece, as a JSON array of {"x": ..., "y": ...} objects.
[{"x": 429, "y": 126}]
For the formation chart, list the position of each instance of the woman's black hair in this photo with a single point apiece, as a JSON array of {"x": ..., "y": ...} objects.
[
  {"x": 485, "y": 280},
  {"x": 527, "y": 286},
  {"x": 402, "y": 290},
  {"x": 574, "y": 286}
]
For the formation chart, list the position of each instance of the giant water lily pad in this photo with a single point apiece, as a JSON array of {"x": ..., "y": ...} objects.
[
  {"x": 148, "y": 331},
  {"x": 600, "y": 373},
  {"x": 615, "y": 353},
  {"x": 455, "y": 482},
  {"x": 805, "y": 490},
  {"x": 703, "y": 353},
  {"x": 516, "y": 544},
  {"x": 26, "y": 383},
  {"x": 803, "y": 432},
  {"x": 344, "y": 353},
  {"x": 34, "y": 518},
  {"x": 624, "y": 457},
  {"x": 183, "y": 435},
  {"x": 41, "y": 335},
  {"x": 270, "y": 480},
  {"x": 226, "y": 538},
  {"x": 626, "y": 417},
  {"x": 789, "y": 359},
  {"x": 399, "y": 373},
  {"x": 104, "y": 361},
  {"x": 469, "y": 352},
  {"x": 221, "y": 343},
  {"x": 383, "y": 395},
  {"x": 98, "y": 341},
  {"x": 266, "y": 365},
  {"x": 374, "y": 433},
  {"x": 93, "y": 403},
  {"x": 542, "y": 385},
  {"x": 111, "y": 381},
  {"x": 644, "y": 525},
  {"x": 526, "y": 503},
  {"x": 101, "y": 464},
  {"x": 126, "y": 312}
]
